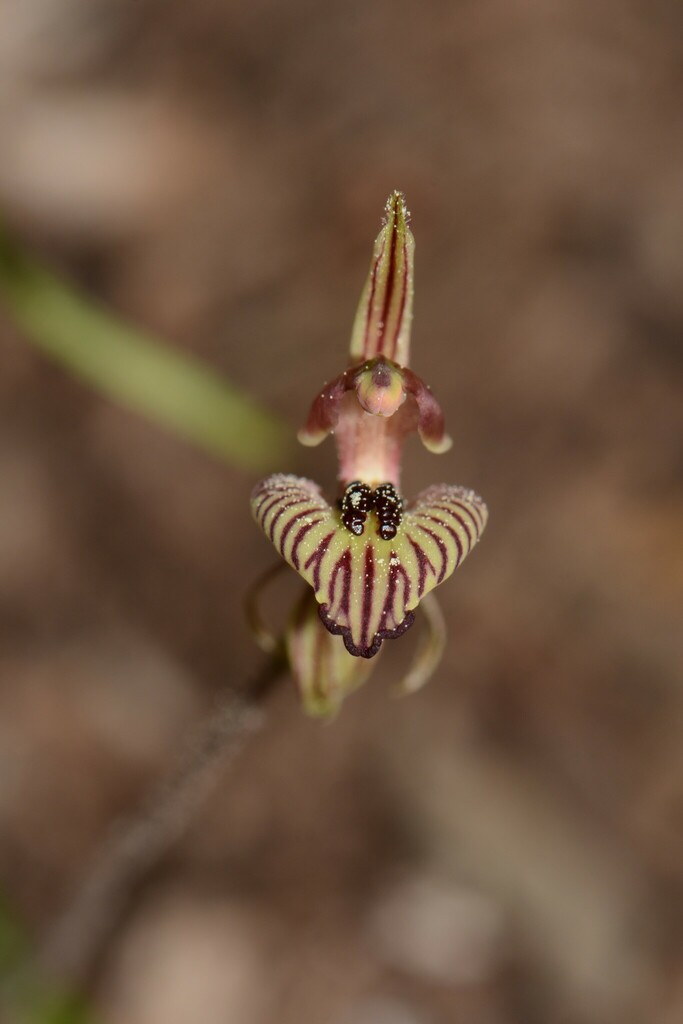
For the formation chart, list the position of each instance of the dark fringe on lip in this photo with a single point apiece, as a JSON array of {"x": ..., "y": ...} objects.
[{"x": 379, "y": 638}]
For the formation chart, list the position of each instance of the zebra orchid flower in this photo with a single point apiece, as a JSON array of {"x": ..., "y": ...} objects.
[{"x": 370, "y": 558}]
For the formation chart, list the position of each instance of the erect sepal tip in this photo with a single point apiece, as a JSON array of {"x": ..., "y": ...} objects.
[{"x": 383, "y": 320}]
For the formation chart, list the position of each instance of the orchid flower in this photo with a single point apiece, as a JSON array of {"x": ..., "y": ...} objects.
[{"x": 369, "y": 558}]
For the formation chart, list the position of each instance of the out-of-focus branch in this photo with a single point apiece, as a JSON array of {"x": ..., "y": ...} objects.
[{"x": 137, "y": 845}]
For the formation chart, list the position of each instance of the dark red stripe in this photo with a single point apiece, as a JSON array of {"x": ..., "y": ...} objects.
[
  {"x": 459, "y": 519},
  {"x": 441, "y": 546},
  {"x": 404, "y": 292},
  {"x": 389, "y": 287},
  {"x": 292, "y": 522},
  {"x": 423, "y": 563},
  {"x": 299, "y": 537},
  {"x": 468, "y": 510},
  {"x": 407, "y": 587},
  {"x": 473, "y": 507},
  {"x": 346, "y": 592},
  {"x": 262, "y": 513},
  {"x": 316, "y": 558},
  {"x": 391, "y": 592},
  {"x": 281, "y": 511},
  {"x": 277, "y": 492},
  {"x": 449, "y": 529},
  {"x": 368, "y": 586},
  {"x": 448, "y": 507},
  {"x": 373, "y": 288},
  {"x": 341, "y": 564}
]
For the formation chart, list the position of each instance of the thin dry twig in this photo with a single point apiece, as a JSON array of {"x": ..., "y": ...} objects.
[{"x": 136, "y": 845}]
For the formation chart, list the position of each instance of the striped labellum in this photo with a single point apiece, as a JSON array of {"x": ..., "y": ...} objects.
[{"x": 367, "y": 587}]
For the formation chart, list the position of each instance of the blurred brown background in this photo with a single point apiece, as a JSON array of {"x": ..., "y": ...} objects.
[{"x": 506, "y": 846}]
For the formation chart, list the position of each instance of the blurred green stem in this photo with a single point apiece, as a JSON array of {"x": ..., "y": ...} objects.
[{"x": 136, "y": 370}]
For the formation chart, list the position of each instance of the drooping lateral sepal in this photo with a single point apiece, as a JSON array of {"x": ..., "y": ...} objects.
[
  {"x": 383, "y": 320},
  {"x": 324, "y": 412},
  {"x": 430, "y": 419},
  {"x": 368, "y": 586}
]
